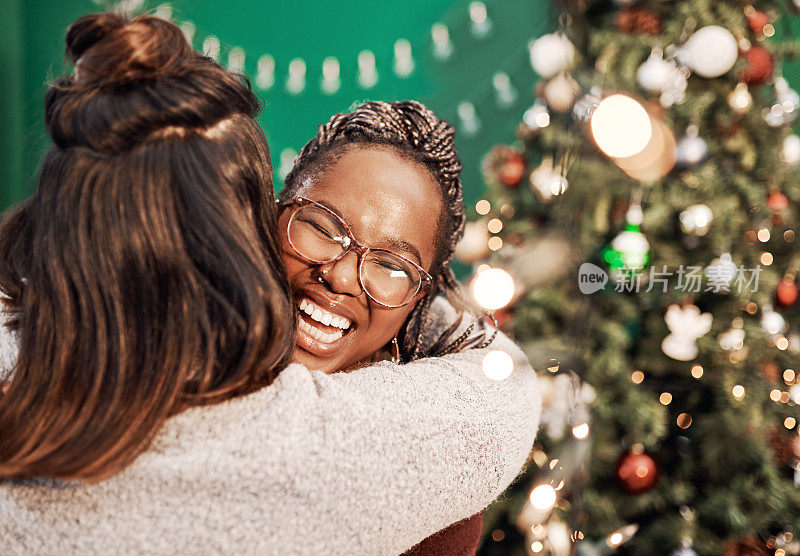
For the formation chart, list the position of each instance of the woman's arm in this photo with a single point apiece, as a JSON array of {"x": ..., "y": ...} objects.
[{"x": 396, "y": 453}]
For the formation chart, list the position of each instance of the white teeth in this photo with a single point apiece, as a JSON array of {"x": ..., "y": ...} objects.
[
  {"x": 321, "y": 315},
  {"x": 319, "y": 335}
]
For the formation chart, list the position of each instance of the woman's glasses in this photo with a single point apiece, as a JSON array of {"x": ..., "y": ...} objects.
[{"x": 319, "y": 235}]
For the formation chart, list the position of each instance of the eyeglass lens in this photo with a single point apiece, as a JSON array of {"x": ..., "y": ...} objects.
[{"x": 320, "y": 237}]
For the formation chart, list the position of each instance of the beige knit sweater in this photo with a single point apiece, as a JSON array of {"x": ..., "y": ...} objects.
[{"x": 367, "y": 462}]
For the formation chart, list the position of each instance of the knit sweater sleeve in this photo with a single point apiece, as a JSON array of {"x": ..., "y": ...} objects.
[{"x": 402, "y": 451}]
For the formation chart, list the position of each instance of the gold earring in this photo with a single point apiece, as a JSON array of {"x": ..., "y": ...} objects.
[{"x": 395, "y": 351}]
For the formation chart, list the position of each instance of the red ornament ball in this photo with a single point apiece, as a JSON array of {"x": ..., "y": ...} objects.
[
  {"x": 757, "y": 21},
  {"x": 636, "y": 473},
  {"x": 786, "y": 292},
  {"x": 512, "y": 172},
  {"x": 777, "y": 201},
  {"x": 759, "y": 65}
]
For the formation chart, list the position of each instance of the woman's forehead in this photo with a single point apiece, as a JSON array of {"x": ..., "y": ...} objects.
[{"x": 382, "y": 196}]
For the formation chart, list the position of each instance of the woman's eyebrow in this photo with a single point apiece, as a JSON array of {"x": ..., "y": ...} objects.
[{"x": 401, "y": 245}]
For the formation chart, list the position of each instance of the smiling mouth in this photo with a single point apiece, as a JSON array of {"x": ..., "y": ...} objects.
[{"x": 320, "y": 331}]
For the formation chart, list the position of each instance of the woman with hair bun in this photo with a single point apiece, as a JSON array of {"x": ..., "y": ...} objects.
[{"x": 148, "y": 407}]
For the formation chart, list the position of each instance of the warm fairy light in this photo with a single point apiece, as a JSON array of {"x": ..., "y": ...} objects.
[
  {"x": 553, "y": 366},
  {"x": 785, "y": 397},
  {"x": 536, "y": 546},
  {"x": 580, "y": 431},
  {"x": 789, "y": 422},
  {"x": 751, "y": 308},
  {"x": 637, "y": 377},
  {"x": 498, "y": 535},
  {"x": 477, "y": 12},
  {"x": 507, "y": 210},
  {"x": 539, "y": 457},
  {"x": 697, "y": 371},
  {"x": 483, "y": 207},
  {"x": 738, "y": 392},
  {"x": 763, "y": 235},
  {"x": 782, "y": 343},
  {"x": 621, "y": 535},
  {"x": 788, "y": 376},
  {"x": 493, "y": 288},
  {"x": 543, "y": 497},
  {"x": 621, "y": 126},
  {"x": 794, "y": 395},
  {"x": 665, "y": 398},
  {"x": 495, "y": 225},
  {"x": 780, "y": 552},
  {"x": 788, "y": 236},
  {"x": 684, "y": 420},
  {"x": 775, "y": 395},
  {"x": 768, "y": 30},
  {"x": 495, "y": 243},
  {"x": 538, "y": 530},
  {"x": 482, "y": 267},
  {"x": 766, "y": 258},
  {"x": 497, "y": 365}
]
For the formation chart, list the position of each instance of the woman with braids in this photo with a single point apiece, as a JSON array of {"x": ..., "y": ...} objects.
[
  {"x": 372, "y": 211},
  {"x": 147, "y": 405}
]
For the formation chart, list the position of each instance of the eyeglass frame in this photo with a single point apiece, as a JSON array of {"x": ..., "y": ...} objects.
[{"x": 426, "y": 280}]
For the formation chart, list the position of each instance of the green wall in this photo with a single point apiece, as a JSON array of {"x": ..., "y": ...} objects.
[{"x": 32, "y": 34}]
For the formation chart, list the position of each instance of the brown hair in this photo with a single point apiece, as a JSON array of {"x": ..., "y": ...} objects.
[
  {"x": 412, "y": 131},
  {"x": 143, "y": 275}
]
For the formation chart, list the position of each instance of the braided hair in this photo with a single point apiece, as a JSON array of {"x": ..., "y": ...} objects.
[{"x": 413, "y": 132}]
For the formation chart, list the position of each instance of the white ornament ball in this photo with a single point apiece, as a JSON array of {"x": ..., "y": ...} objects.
[
  {"x": 711, "y": 51},
  {"x": 474, "y": 245},
  {"x": 537, "y": 116},
  {"x": 551, "y": 54},
  {"x": 691, "y": 151},
  {"x": 560, "y": 92},
  {"x": 655, "y": 74},
  {"x": 790, "y": 154}
]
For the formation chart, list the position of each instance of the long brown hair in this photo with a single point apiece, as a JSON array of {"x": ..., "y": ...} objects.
[
  {"x": 143, "y": 275},
  {"x": 414, "y": 132}
]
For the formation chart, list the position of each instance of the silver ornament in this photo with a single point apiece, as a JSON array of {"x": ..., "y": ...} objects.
[
  {"x": 584, "y": 106},
  {"x": 696, "y": 219},
  {"x": 692, "y": 150}
]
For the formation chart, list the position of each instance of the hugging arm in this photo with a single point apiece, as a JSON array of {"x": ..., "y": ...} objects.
[{"x": 403, "y": 451}]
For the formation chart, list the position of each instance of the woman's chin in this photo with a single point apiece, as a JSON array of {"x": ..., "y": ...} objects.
[{"x": 320, "y": 355}]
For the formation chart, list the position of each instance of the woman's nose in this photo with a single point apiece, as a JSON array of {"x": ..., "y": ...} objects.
[{"x": 342, "y": 276}]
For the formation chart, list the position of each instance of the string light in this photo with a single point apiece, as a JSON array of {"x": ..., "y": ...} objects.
[
  {"x": 330, "y": 75},
  {"x": 495, "y": 243},
  {"x": 766, "y": 258},
  {"x": 265, "y": 78},
  {"x": 697, "y": 371},
  {"x": 785, "y": 397},
  {"x": 620, "y": 126},
  {"x": 211, "y": 47},
  {"x": 637, "y": 377},
  {"x": 498, "y": 365},
  {"x": 684, "y": 420},
  {"x": 483, "y": 207},
  {"x": 543, "y": 497},
  {"x": 782, "y": 343},
  {"x": 775, "y": 395},
  {"x": 296, "y": 82},
  {"x": 789, "y": 422},
  {"x": 621, "y": 535},
  {"x": 367, "y": 71},
  {"x": 738, "y": 392},
  {"x": 493, "y": 288},
  {"x": 788, "y": 376},
  {"x": 581, "y": 431},
  {"x": 442, "y": 45},
  {"x": 236, "y": 59},
  {"x": 536, "y": 546},
  {"x": 763, "y": 235},
  {"x": 665, "y": 398},
  {"x": 495, "y": 225},
  {"x": 788, "y": 236}
]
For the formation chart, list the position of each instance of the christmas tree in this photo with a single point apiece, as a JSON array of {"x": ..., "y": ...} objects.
[{"x": 639, "y": 240}]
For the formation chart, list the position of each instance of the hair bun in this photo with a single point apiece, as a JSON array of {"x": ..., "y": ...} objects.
[{"x": 109, "y": 49}]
